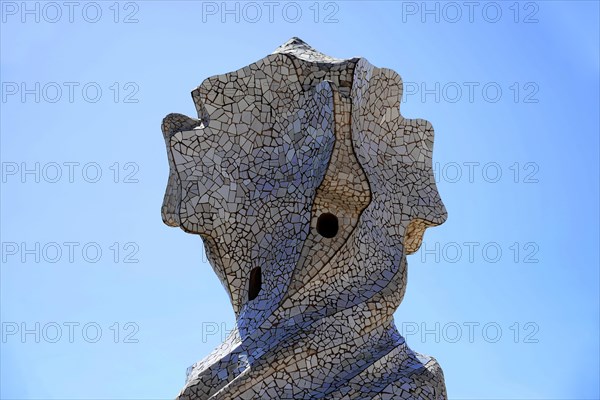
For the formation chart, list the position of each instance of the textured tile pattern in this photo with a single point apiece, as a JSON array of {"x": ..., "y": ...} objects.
[{"x": 300, "y": 170}]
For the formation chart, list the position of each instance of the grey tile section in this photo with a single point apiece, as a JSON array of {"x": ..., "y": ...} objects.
[{"x": 278, "y": 146}]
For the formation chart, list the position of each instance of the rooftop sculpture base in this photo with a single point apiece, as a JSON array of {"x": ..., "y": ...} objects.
[{"x": 308, "y": 188}]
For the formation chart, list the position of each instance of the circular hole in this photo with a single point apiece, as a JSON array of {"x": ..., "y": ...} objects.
[{"x": 327, "y": 225}]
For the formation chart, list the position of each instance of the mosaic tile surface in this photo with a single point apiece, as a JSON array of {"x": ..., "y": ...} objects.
[{"x": 308, "y": 188}]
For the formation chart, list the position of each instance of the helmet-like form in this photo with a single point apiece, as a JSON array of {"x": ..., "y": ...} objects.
[{"x": 308, "y": 188}]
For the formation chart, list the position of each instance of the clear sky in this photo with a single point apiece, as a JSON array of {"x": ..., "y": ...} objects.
[{"x": 100, "y": 300}]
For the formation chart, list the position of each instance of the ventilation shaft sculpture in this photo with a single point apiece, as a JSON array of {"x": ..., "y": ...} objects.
[{"x": 308, "y": 188}]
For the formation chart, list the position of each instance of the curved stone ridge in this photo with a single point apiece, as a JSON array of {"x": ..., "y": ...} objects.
[{"x": 308, "y": 188}]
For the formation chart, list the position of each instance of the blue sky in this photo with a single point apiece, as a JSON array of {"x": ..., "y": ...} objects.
[{"x": 100, "y": 300}]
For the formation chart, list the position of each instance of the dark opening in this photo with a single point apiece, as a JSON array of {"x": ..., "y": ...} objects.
[
  {"x": 255, "y": 283},
  {"x": 327, "y": 225}
]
